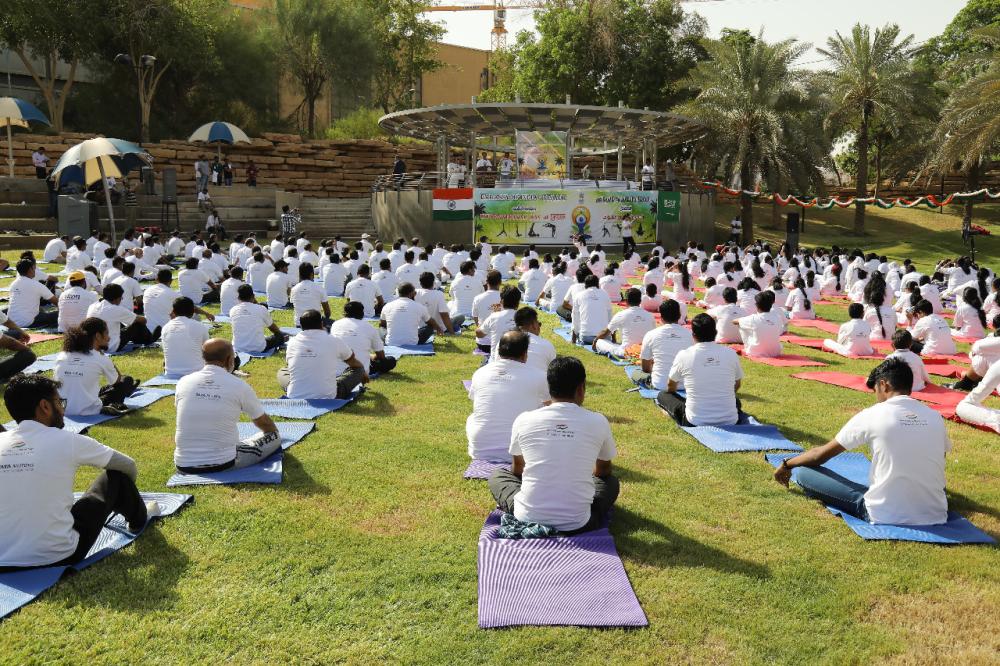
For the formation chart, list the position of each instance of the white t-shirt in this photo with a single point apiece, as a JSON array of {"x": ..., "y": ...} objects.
[
  {"x": 633, "y": 323},
  {"x": 533, "y": 281},
  {"x": 363, "y": 291},
  {"x": 560, "y": 444},
  {"x": 501, "y": 391},
  {"x": 182, "y": 339},
  {"x": 73, "y": 304},
  {"x": 482, "y": 305},
  {"x": 725, "y": 317},
  {"x": 80, "y": 375},
  {"x": 157, "y": 304},
  {"x": 762, "y": 333},
  {"x": 558, "y": 286},
  {"x": 464, "y": 290},
  {"x": 591, "y": 312},
  {"x": 278, "y": 284},
  {"x": 504, "y": 263},
  {"x": 25, "y": 295},
  {"x": 908, "y": 442},
  {"x": 228, "y": 296},
  {"x": 315, "y": 360},
  {"x": 37, "y": 472},
  {"x": 258, "y": 272},
  {"x": 855, "y": 336},
  {"x": 209, "y": 404},
  {"x": 433, "y": 300},
  {"x": 708, "y": 373},
  {"x": 131, "y": 288},
  {"x": 495, "y": 326},
  {"x": 934, "y": 332},
  {"x": 115, "y": 316},
  {"x": 248, "y": 322},
  {"x": 192, "y": 283},
  {"x": 408, "y": 273},
  {"x": 403, "y": 318},
  {"x": 360, "y": 336},
  {"x": 53, "y": 249},
  {"x": 661, "y": 346},
  {"x": 920, "y": 377},
  {"x": 307, "y": 295},
  {"x": 334, "y": 279},
  {"x": 541, "y": 352},
  {"x": 386, "y": 283}
]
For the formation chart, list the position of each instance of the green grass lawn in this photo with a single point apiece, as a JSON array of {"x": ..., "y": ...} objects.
[{"x": 367, "y": 552}]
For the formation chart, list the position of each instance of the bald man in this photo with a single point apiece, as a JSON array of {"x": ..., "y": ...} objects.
[{"x": 209, "y": 404}]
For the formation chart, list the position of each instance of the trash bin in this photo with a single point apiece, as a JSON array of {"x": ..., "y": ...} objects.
[
  {"x": 77, "y": 216},
  {"x": 149, "y": 179}
]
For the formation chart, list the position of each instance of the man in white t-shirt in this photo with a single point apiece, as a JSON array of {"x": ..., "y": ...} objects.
[
  {"x": 307, "y": 295},
  {"x": 437, "y": 307},
  {"x": 363, "y": 339},
  {"x": 931, "y": 331},
  {"x": 661, "y": 345},
  {"x": 248, "y": 320},
  {"x": 631, "y": 324},
  {"x": 464, "y": 289},
  {"x": 55, "y": 250},
  {"x": 648, "y": 173},
  {"x": 710, "y": 375},
  {"x": 364, "y": 291},
  {"x": 320, "y": 366},
  {"x": 278, "y": 286},
  {"x": 726, "y": 317},
  {"x": 131, "y": 289},
  {"x": 406, "y": 321},
  {"x": 555, "y": 289},
  {"x": 194, "y": 284},
  {"x": 385, "y": 280},
  {"x": 560, "y": 474},
  {"x": 591, "y": 311},
  {"x": 334, "y": 277},
  {"x": 228, "y": 290},
  {"x": 209, "y": 404},
  {"x": 487, "y": 302},
  {"x": 498, "y": 323},
  {"x": 541, "y": 352},
  {"x": 41, "y": 522},
  {"x": 532, "y": 282},
  {"x": 762, "y": 330},
  {"x": 182, "y": 339},
  {"x": 259, "y": 269},
  {"x": 74, "y": 301},
  {"x": 504, "y": 262},
  {"x": 116, "y": 317},
  {"x": 26, "y": 294},
  {"x": 500, "y": 392},
  {"x": 908, "y": 443}
]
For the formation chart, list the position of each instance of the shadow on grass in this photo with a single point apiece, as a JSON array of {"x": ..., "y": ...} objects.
[
  {"x": 964, "y": 505},
  {"x": 627, "y": 475},
  {"x": 373, "y": 403},
  {"x": 298, "y": 480},
  {"x": 393, "y": 376},
  {"x": 651, "y": 542}
]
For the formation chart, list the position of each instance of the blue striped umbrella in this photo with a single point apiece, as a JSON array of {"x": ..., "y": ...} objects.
[
  {"x": 219, "y": 132},
  {"x": 15, "y": 112}
]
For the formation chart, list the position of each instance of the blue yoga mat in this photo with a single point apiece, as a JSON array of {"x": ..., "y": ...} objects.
[
  {"x": 40, "y": 365},
  {"x": 647, "y": 393},
  {"x": 21, "y": 587},
  {"x": 131, "y": 347},
  {"x": 77, "y": 423},
  {"x": 564, "y": 333},
  {"x": 291, "y": 330},
  {"x": 752, "y": 436},
  {"x": 162, "y": 380},
  {"x": 266, "y": 471},
  {"x": 144, "y": 397},
  {"x": 426, "y": 349},
  {"x": 854, "y": 467},
  {"x": 246, "y": 357},
  {"x": 304, "y": 409},
  {"x": 223, "y": 319}
]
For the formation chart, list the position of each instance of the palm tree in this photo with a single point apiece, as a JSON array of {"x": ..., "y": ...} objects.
[
  {"x": 746, "y": 88},
  {"x": 871, "y": 77}
]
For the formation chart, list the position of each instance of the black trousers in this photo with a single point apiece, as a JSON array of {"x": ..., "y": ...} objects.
[
  {"x": 423, "y": 334},
  {"x": 674, "y": 405},
  {"x": 504, "y": 484},
  {"x": 12, "y": 365},
  {"x": 117, "y": 392},
  {"x": 111, "y": 492},
  {"x": 45, "y": 319},
  {"x": 274, "y": 341},
  {"x": 628, "y": 243},
  {"x": 382, "y": 365},
  {"x": 564, "y": 313},
  {"x": 347, "y": 381},
  {"x": 139, "y": 334}
]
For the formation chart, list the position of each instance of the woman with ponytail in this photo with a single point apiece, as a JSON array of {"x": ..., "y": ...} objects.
[
  {"x": 832, "y": 285},
  {"x": 746, "y": 295},
  {"x": 798, "y": 303},
  {"x": 812, "y": 286},
  {"x": 990, "y": 303},
  {"x": 81, "y": 365},
  {"x": 879, "y": 312},
  {"x": 970, "y": 319},
  {"x": 780, "y": 293},
  {"x": 680, "y": 279}
]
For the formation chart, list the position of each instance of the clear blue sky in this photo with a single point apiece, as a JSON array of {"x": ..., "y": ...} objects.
[{"x": 807, "y": 20}]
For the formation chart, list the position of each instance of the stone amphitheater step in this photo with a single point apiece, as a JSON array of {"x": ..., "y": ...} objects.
[
  {"x": 8, "y": 210},
  {"x": 16, "y": 197}
]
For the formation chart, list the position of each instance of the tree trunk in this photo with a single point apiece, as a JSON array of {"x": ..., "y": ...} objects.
[
  {"x": 310, "y": 115},
  {"x": 47, "y": 85},
  {"x": 971, "y": 184},
  {"x": 746, "y": 204},
  {"x": 878, "y": 166},
  {"x": 861, "y": 182}
]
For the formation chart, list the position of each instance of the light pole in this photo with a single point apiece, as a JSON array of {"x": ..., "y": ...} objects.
[{"x": 145, "y": 62}]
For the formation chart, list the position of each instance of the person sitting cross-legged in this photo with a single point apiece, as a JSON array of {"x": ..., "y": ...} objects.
[
  {"x": 437, "y": 307},
  {"x": 762, "y": 330},
  {"x": 363, "y": 339},
  {"x": 710, "y": 375},
  {"x": 320, "y": 365},
  {"x": 209, "y": 404},
  {"x": 26, "y": 296},
  {"x": 972, "y": 410},
  {"x": 853, "y": 337},
  {"x": 307, "y": 295},
  {"x": 182, "y": 339},
  {"x": 249, "y": 319},
  {"x": 407, "y": 322},
  {"x": 560, "y": 475},
  {"x": 633, "y": 323},
  {"x": 81, "y": 365},
  {"x": 661, "y": 345},
  {"x": 116, "y": 316},
  {"x": 541, "y": 352},
  {"x": 500, "y": 392},
  {"x": 41, "y": 524},
  {"x": 499, "y": 321},
  {"x": 908, "y": 442}
]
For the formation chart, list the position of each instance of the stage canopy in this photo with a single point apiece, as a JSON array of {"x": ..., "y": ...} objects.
[{"x": 619, "y": 126}]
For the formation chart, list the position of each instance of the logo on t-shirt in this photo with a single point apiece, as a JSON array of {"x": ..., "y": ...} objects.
[
  {"x": 909, "y": 419},
  {"x": 561, "y": 431},
  {"x": 711, "y": 361}
]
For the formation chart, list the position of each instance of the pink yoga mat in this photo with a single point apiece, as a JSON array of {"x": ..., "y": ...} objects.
[
  {"x": 945, "y": 370},
  {"x": 932, "y": 393},
  {"x": 783, "y": 361},
  {"x": 817, "y": 343},
  {"x": 961, "y": 357},
  {"x": 35, "y": 338},
  {"x": 821, "y": 324}
]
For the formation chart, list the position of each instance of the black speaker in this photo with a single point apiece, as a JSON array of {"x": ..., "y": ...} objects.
[
  {"x": 792, "y": 223},
  {"x": 170, "y": 185}
]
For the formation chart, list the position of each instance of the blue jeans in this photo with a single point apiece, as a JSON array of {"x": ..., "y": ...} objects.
[{"x": 833, "y": 490}]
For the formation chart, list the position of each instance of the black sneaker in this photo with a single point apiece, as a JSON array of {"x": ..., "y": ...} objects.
[{"x": 114, "y": 409}]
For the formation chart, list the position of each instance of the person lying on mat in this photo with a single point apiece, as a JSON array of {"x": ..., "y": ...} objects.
[
  {"x": 541, "y": 352},
  {"x": 406, "y": 321},
  {"x": 182, "y": 339},
  {"x": 117, "y": 316},
  {"x": 762, "y": 331},
  {"x": 249, "y": 319},
  {"x": 661, "y": 345},
  {"x": 853, "y": 337},
  {"x": 908, "y": 441},
  {"x": 209, "y": 404},
  {"x": 560, "y": 475},
  {"x": 363, "y": 339},
  {"x": 710, "y": 375},
  {"x": 931, "y": 332},
  {"x": 632, "y": 323},
  {"x": 26, "y": 295},
  {"x": 901, "y": 343},
  {"x": 500, "y": 392},
  {"x": 984, "y": 353},
  {"x": 500, "y": 321},
  {"x": 41, "y": 523},
  {"x": 81, "y": 365},
  {"x": 591, "y": 311},
  {"x": 319, "y": 365}
]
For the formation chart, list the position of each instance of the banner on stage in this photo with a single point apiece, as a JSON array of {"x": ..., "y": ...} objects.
[
  {"x": 668, "y": 209},
  {"x": 541, "y": 154},
  {"x": 553, "y": 217}
]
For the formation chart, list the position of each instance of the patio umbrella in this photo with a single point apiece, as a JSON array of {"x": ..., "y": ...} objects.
[
  {"x": 15, "y": 112},
  {"x": 219, "y": 132},
  {"x": 99, "y": 158}
]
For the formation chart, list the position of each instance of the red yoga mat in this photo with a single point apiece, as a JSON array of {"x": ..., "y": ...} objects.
[
  {"x": 821, "y": 324},
  {"x": 817, "y": 343},
  {"x": 932, "y": 393},
  {"x": 961, "y": 357},
  {"x": 35, "y": 338},
  {"x": 783, "y": 361},
  {"x": 945, "y": 370}
]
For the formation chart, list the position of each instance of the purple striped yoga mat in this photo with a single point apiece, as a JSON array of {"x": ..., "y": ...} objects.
[
  {"x": 482, "y": 469},
  {"x": 570, "y": 581}
]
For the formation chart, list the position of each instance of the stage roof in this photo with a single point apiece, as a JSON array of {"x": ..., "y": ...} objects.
[{"x": 588, "y": 124}]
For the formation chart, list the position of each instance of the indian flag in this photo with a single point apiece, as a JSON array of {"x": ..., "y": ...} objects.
[{"x": 453, "y": 204}]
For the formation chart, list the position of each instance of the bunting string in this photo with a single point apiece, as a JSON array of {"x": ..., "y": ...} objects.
[{"x": 928, "y": 200}]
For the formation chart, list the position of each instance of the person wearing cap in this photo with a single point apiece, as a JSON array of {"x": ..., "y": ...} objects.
[
  {"x": 74, "y": 301},
  {"x": 908, "y": 442},
  {"x": 366, "y": 244}
]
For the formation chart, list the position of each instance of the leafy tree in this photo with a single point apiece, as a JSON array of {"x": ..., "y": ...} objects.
[
  {"x": 871, "y": 78},
  {"x": 748, "y": 95},
  {"x": 53, "y": 31},
  {"x": 959, "y": 37},
  {"x": 405, "y": 50},
  {"x": 324, "y": 41}
]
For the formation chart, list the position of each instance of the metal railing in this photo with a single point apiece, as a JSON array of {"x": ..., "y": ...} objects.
[{"x": 428, "y": 180}]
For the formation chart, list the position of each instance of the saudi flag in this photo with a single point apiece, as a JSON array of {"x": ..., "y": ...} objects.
[{"x": 453, "y": 204}]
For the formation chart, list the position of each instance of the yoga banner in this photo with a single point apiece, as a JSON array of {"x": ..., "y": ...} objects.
[
  {"x": 541, "y": 154},
  {"x": 553, "y": 217}
]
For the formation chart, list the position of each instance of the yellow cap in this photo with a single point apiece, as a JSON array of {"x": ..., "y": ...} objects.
[{"x": 77, "y": 275}]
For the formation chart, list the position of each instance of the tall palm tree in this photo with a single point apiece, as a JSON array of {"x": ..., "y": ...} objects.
[
  {"x": 969, "y": 130},
  {"x": 744, "y": 96},
  {"x": 871, "y": 77}
]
